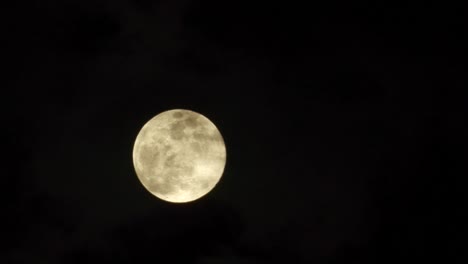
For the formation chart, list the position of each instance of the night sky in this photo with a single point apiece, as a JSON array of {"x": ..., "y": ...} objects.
[{"x": 343, "y": 124}]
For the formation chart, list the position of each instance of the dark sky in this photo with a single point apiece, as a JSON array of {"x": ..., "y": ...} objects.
[{"x": 343, "y": 125}]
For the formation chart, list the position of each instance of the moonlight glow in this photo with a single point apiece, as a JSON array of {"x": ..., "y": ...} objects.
[{"x": 179, "y": 155}]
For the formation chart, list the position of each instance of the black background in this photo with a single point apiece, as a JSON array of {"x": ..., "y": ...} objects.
[{"x": 343, "y": 124}]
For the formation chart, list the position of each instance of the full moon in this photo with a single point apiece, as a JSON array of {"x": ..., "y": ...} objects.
[{"x": 179, "y": 155}]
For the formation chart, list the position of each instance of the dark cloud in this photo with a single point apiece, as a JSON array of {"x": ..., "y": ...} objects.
[{"x": 341, "y": 123}]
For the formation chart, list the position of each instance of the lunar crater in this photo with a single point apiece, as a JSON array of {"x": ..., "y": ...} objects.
[
  {"x": 191, "y": 122},
  {"x": 178, "y": 114}
]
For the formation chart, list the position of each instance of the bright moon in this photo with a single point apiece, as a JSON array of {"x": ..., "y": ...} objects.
[{"x": 179, "y": 155}]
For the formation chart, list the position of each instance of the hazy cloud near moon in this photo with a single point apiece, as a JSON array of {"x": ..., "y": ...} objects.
[{"x": 357, "y": 169}]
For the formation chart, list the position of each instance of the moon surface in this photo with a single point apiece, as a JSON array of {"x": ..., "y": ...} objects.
[{"x": 179, "y": 155}]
